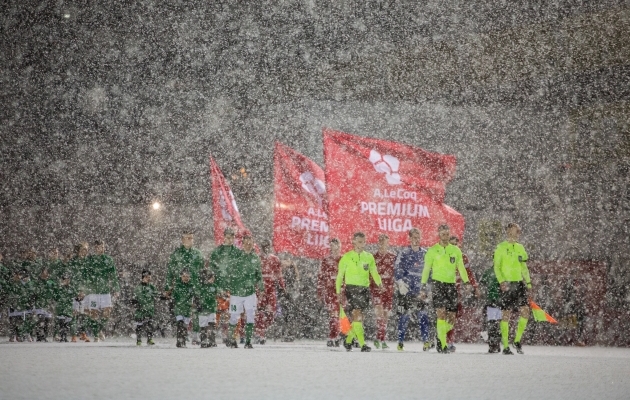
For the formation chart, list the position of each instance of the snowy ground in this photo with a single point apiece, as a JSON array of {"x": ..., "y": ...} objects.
[{"x": 117, "y": 369}]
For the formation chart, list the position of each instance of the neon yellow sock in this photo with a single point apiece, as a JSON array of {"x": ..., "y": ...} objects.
[
  {"x": 351, "y": 335},
  {"x": 357, "y": 327},
  {"x": 505, "y": 329},
  {"x": 441, "y": 331},
  {"x": 522, "y": 323}
]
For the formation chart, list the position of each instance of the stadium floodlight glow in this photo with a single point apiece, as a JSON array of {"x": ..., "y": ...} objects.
[
  {"x": 156, "y": 205},
  {"x": 66, "y": 16}
]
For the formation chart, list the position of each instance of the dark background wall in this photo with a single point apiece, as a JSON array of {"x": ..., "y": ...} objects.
[{"x": 108, "y": 106}]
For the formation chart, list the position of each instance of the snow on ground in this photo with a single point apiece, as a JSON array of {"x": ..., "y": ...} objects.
[{"x": 117, "y": 369}]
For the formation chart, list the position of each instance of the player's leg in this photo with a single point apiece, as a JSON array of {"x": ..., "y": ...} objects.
[
  {"x": 250, "y": 316},
  {"x": 237, "y": 304},
  {"x": 507, "y": 303},
  {"x": 333, "y": 324},
  {"x": 139, "y": 328},
  {"x": 105, "y": 308},
  {"x": 423, "y": 324},
  {"x": 441, "y": 328},
  {"x": 182, "y": 329},
  {"x": 203, "y": 332},
  {"x": 524, "y": 316},
  {"x": 149, "y": 328},
  {"x": 380, "y": 324},
  {"x": 402, "y": 310},
  {"x": 494, "y": 332}
]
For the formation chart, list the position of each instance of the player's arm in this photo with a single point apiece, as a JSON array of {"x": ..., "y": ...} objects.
[
  {"x": 259, "y": 277},
  {"x": 497, "y": 266},
  {"x": 340, "y": 275},
  {"x": 525, "y": 271},
  {"x": 428, "y": 264},
  {"x": 374, "y": 272},
  {"x": 463, "y": 273}
]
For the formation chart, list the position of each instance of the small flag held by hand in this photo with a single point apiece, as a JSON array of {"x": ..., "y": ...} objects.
[
  {"x": 344, "y": 322},
  {"x": 540, "y": 315}
]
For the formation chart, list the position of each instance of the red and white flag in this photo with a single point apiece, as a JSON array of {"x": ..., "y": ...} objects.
[
  {"x": 300, "y": 222},
  {"x": 377, "y": 186},
  {"x": 224, "y": 209}
]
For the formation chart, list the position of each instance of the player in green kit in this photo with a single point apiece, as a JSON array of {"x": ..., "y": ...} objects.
[
  {"x": 243, "y": 280},
  {"x": 443, "y": 260},
  {"x": 101, "y": 279},
  {"x": 510, "y": 267},
  {"x": 355, "y": 268},
  {"x": 144, "y": 296}
]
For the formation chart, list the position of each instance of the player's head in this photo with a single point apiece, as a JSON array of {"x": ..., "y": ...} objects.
[
  {"x": 99, "y": 247},
  {"x": 29, "y": 254},
  {"x": 185, "y": 275},
  {"x": 53, "y": 254},
  {"x": 358, "y": 241},
  {"x": 81, "y": 249},
  {"x": 265, "y": 246},
  {"x": 228, "y": 236},
  {"x": 415, "y": 236},
  {"x": 513, "y": 231},
  {"x": 335, "y": 245},
  {"x": 188, "y": 238},
  {"x": 383, "y": 241},
  {"x": 248, "y": 241},
  {"x": 45, "y": 274},
  {"x": 146, "y": 276},
  {"x": 444, "y": 231},
  {"x": 454, "y": 240}
]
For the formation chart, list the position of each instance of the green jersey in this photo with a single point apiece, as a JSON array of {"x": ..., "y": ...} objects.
[
  {"x": 444, "y": 262},
  {"x": 183, "y": 297},
  {"x": 43, "y": 292},
  {"x": 99, "y": 274},
  {"x": 223, "y": 259},
  {"x": 34, "y": 267},
  {"x": 245, "y": 276},
  {"x": 56, "y": 268},
  {"x": 64, "y": 295},
  {"x": 355, "y": 269},
  {"x": 144, "y": 297},
  {"x": 77, "y": 269},
  {"x": 207, "y": 297},
  {"x": 183, "y": 258},
  {"x": 510, "y": 263},
  {"x": 489, "y": 280},
  {"x": 21, "y": 295},
  {"x": 5, "y": 278}
]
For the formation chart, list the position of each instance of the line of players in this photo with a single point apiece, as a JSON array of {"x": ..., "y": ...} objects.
[
  {"x": 39, "y": 292},
  {"x": 238, "y": 281}
]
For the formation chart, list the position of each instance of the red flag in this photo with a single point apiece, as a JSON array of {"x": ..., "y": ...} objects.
[
  {"x": 378, "y": 186},
  {"x": 224, "y": 207},
  {"x": 300, "y": 222}
]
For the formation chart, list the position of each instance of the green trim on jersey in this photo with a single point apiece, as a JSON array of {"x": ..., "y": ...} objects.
[
  {"x": 444, "y": 262},
  {"x": 510, "y": 263},
  {"x": 355, "y": 269}
]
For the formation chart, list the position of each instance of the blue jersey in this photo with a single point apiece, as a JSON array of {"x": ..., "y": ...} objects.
[{"x": 409, "y": 266}]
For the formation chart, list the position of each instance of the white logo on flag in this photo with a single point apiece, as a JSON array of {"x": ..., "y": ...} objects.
[
  {"x": 387, "y": 165},
  {"x": 224, "y": 210},
  {"x": 313, "y": 186}
]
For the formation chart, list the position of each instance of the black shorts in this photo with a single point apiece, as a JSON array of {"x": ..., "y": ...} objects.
[
  {"x": 408, "y": 304},
  {"x": 444, "y": 296},
  {"x": 515, "y": 296},
  {"x": 358, "y": 297}
]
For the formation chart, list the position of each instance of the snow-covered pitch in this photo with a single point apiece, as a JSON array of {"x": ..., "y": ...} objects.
[{"x": 117, "y": 369}]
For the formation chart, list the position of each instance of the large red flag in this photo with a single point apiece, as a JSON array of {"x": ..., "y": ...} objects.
[
  {"x": 300, "y": 223},
  {"x": 377, "y": 186},
  {"x": 224, "y": 206}
]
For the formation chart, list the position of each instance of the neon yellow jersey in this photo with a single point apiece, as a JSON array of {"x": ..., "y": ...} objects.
[
  {"x": 510, "y": 263},
  {"x": 355, "y": 269},
  {"x": 444, "y": 262}
]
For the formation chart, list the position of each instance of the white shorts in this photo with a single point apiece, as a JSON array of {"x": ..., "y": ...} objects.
[
  {"x": 182, "y": 318},
  {"x": 97, "y": 301},
  {"x": 22, "y": 314},
  {"x": 40, "y": 311},
  {"x": 238, "y": 304},
  {"x": 205, "y": 319},
  {"x": 494, "y": 314}
]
